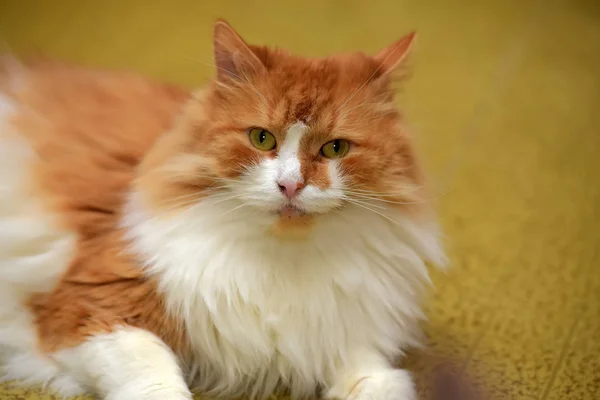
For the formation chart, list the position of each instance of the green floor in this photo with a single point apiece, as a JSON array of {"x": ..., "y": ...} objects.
[{"x": 504, "y": 100}]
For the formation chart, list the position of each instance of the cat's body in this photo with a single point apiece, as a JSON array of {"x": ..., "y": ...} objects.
[{"x": 136, "y": 254}]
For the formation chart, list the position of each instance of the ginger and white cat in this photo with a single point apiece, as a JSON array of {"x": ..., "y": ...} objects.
[{"x": 264, "y": 234}]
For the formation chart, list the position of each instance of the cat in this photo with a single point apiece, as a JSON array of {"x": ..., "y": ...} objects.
[{"x": 264, "y": 234}]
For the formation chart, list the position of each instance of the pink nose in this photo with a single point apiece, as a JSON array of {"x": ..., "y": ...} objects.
[{"x": 290, "y": 188}]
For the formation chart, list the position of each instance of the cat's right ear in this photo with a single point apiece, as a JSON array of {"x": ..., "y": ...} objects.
[
  {"x": 233, "y": 57},
  {"x": 393, "y": 56}
]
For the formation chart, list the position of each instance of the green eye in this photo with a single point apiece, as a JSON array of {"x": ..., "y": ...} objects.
[
  {"x": 337, "y": 148},
  {"x": 262, "y": 139}
]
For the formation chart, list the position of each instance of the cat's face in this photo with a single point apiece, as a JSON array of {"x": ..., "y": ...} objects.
[{"x": 294, "y": 138}]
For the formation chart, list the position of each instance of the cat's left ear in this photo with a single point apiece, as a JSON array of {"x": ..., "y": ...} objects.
[
  {"x": 234, "y": 58},
  {"x": 393, "y": 56}
]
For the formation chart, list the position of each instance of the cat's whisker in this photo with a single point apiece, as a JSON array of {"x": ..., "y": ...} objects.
[
  {"x": 400, "y": 193},
  {"x": 216, "y": 178},
  {"x": 384, "y": 200},
  {"x": 215, "y": 191},
  {"x": 220, "y": 197},
  {"x": 201, "y": 195},
  {"x": 390, "y": 201},
  {"x": 374, "y": 211},
  {"x": 227, "y": 199},
  {"x": 382, "y": 195},
  {"x": 409, "y": 188},
  {"x": 424, "y": 201},
  {"x": 233, "y": 209},
  {"x": 173, "y": 207},
  {"x": 364, "y": 201}
]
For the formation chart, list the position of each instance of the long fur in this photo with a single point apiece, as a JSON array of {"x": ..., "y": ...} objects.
[{"x": 146, "y": 241}]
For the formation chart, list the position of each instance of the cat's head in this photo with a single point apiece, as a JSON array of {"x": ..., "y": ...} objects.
[{"x": 292, "y": 138}]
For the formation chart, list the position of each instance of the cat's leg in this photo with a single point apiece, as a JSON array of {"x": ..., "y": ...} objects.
[
  {"x": 128, "y": 363},
  {"x": 369, "y": 376}
]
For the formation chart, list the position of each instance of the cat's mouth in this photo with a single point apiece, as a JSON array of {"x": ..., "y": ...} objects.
[{"x": 291, "y": 211}]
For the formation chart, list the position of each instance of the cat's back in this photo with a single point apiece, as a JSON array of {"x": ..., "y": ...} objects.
[
  {"x": 87, "y": 128},
  {"x": 70, "y": 139}
]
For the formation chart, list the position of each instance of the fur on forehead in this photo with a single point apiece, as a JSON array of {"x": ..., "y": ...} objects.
[{"x": 306, "y": 87}]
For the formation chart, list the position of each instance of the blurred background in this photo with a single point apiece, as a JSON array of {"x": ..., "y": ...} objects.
[{"x": 504, "y": 100}]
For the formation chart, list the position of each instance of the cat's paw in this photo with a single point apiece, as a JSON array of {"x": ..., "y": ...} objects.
[{"x": 385, "y": 385}]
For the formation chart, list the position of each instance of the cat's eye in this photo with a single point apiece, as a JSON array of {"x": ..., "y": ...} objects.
[
  {"x": 337, "y": 148},
  {"x": 262, "y": 139}
]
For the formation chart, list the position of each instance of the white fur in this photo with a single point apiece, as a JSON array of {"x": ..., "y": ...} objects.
[
  {"x": 289, "y": 164},
  {"x": 262, "y": 311},
  {"x": 370, "y": 377},
  {"x": 128, "y": 363},
  {"x": 34, "y": 252},
  {"x": 29, "y": 367}
]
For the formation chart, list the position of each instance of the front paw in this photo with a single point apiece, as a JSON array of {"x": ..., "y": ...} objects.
[{"x": 385, "y": 385}]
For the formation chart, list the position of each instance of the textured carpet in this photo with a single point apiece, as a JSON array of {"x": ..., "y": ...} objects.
[{"x": 504, "y": 99}]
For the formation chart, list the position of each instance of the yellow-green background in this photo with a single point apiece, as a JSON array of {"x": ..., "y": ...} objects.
[{"x": 505, "y": 102}]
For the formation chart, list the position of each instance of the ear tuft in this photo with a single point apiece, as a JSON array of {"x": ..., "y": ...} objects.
[
  {"x": 233, "y": 57},
  {"x": 392, "y": 57}
]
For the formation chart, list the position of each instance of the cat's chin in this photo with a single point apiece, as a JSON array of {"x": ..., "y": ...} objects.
[{"x": 291, "y": 222}]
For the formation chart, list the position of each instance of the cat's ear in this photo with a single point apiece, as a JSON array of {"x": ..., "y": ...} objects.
[
  {"x": 233, "y": 57},
  {"x": 393, "y": 56}
]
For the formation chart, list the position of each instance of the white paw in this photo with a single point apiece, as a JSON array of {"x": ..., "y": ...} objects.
[{"x": 385, "y": 385}]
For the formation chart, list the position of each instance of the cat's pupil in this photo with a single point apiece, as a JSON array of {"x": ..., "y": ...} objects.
[
  {"x": 336, "y": 145},
  {"x": 262, "y": 136}
]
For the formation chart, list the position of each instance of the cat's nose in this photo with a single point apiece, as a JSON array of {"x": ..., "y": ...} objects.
[{"x": 290, "y": 188}]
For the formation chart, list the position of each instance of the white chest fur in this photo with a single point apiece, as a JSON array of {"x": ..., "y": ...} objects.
[{"x": 262, "y": 311}]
